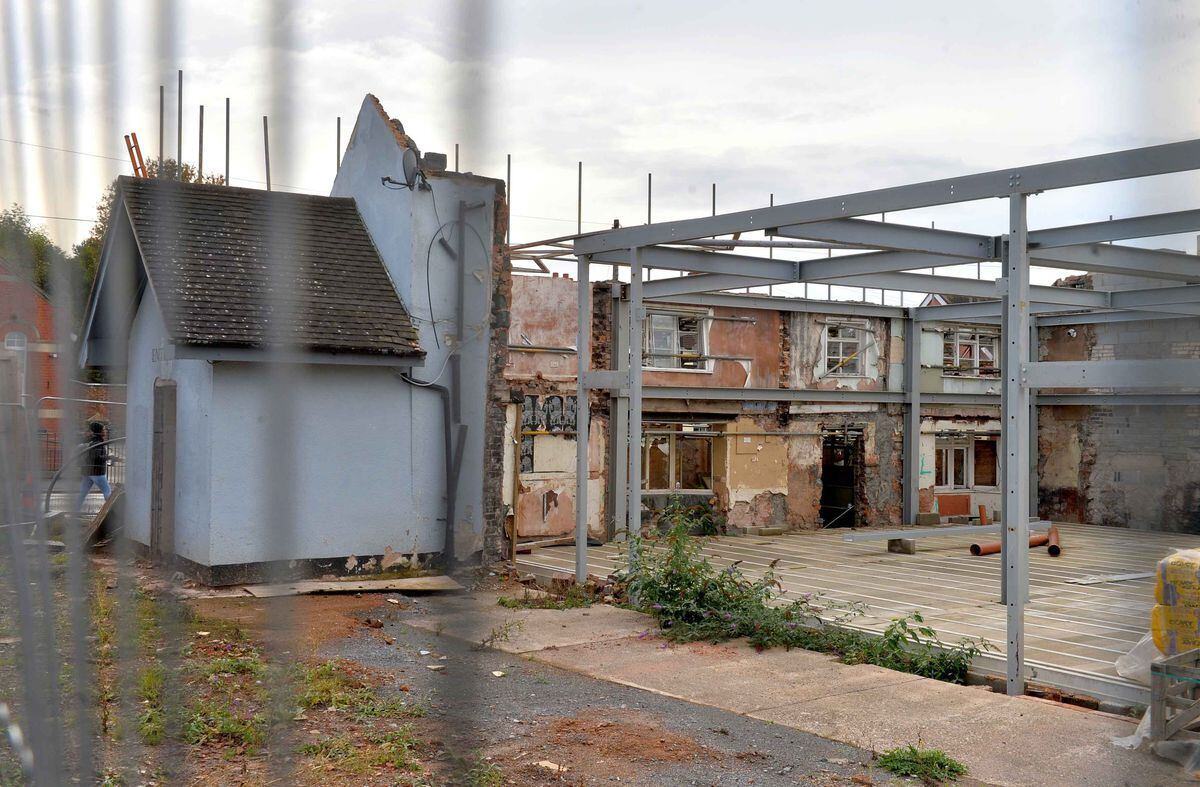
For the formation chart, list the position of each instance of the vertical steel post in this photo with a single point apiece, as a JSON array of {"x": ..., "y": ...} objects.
[
  {"x": 633, "y": 512},
  {"x": 912, "y": 421},
  {"x": 200, "y": 149},
  {"x": 583, "y": 347},
  {"x": 619, "y": 427},
  {"x": 1016, "y": 439},
  {"x": 508, "y": 196},
  {"x": 179, "y": 129},
  {"x": 227, "y": 141},
  {"x": 338, "y": 157},
  {"x": 162, "y": 114},
  {"x": 1033, "y": 431},
  {"x": 267, "y": 152}
]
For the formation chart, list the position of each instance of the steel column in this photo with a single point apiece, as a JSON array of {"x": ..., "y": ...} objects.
[
  {"x": 1034, "y": 353},
  {"x": 912, "y": 421},
  {"x": 633, "y": 513},
  {"x": 583, "y": 353},
  {"x": 619, "y": 426},
  {"x": 1015, "y": 436}
]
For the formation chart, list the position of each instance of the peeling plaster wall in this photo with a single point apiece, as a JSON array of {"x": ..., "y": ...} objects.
[
  {"x": 807, "y": 339},
  {"x": 755, "y": 477},
  {"x": 757, "y": 340},
  {"x": 1125, "y": 466}
]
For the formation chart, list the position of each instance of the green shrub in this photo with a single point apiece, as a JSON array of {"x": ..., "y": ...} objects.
[
  {"x": 929, "y": 765},
  {"x": 693, "y": 601}
]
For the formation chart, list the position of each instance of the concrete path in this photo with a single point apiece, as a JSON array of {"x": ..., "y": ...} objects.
[{"x": 1002, "y": 740}]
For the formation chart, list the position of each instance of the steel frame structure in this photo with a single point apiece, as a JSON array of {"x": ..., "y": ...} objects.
[{"x": 888, "y": 255}]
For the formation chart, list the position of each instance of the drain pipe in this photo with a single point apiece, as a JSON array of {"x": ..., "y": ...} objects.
[{"x": 453, "y": 450}]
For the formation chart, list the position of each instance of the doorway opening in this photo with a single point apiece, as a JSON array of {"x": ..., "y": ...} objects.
[{"x": 841, "y": 476}]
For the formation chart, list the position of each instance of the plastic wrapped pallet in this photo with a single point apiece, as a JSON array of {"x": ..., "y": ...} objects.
[{"x": 1175, "y": 619}]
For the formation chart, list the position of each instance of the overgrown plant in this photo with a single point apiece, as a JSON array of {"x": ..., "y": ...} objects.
[
  {"x": 932, "y": 766},
  {"x": 693, "y": 600},
  {"x": 698, "y": 519}
]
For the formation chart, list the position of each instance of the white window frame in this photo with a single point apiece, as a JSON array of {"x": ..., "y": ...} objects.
[
  {"x": 970, "y": 337},
  {"x": 18, "y": 342},
  {"x": 963, "y": 445},
  {"x": 863, "y": 343},
  {"x": 672, "y": 446},
  {"x": 651, "y": 364}
]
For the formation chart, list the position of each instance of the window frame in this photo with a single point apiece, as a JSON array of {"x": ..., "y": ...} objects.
[
  {"x": 862, "y": 343},
  {"x": 22, "y": 353},
  {"x": 673, "y": 437},
  {"x": 975, "y": 337},
  {"x": 949, "y": 447},
  {"x": 702, "y": 328}
]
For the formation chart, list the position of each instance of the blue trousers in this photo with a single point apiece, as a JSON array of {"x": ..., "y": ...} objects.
[{"x": 101, "y": 483}]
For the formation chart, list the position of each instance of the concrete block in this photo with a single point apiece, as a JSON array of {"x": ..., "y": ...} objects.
[
  {"x": 928, "y": 518},
  {"x": 902, "y": 546},
  {"x": 960, "y": 520}
]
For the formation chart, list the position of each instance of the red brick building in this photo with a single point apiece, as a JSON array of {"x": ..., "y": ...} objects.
[{"x": 27, "y": 341}]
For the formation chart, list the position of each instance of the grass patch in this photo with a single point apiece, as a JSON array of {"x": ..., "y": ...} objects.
[
  {"x": 484, "y": 774},
  {"x": 328, "y": 685},
  {"x": 392, "y": 749},
  {"x": 932, "y": 766},
  {"x": 212, "y": 723},
  {"x": 234, "y": 665},
  {"x": 694, "y": 601},
  {"x": 574, "y": 597}
]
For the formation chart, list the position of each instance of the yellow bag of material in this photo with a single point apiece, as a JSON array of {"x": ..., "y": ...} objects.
[{"x": 1175, "y": 619}]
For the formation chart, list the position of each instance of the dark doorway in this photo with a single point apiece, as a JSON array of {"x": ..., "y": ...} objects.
[
  {"x": 162, "y": 470},
  {"x": 841, "y": 469}
]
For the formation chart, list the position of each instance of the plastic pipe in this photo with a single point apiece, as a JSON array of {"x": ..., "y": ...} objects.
[{"x": 991, "y": 548}]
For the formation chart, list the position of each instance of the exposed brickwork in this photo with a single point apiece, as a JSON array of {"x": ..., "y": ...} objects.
[
  {"x": 28, "y": 310},
  {"x": 494, "y": 539}
]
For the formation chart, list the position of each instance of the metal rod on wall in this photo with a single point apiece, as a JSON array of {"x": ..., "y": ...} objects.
[
  {"x": 649, "y": 196},
  {"x": 508, "y": 195},
  {"x": 771, "y": 253},
  {"x": 267, "y": 151},
  {"x": 200, "y": 152},
  {"x": 456, "y": 157},
  {"x": 579, "y": 205},
  {"x": 226, "y": 140},
  {"x": 179, "y": 129}
]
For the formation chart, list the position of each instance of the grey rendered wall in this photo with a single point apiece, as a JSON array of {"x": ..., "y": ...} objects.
[
  {"x": 150, "y": 358},
  {"x": 403, "y": 224},
  {"x": 356, "y": 483}
]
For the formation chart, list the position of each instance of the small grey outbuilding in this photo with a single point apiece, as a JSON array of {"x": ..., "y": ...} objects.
[{"x": 264, "y": 346}]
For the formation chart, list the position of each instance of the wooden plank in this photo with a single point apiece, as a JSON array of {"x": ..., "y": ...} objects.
[
  {"x": 312, "y": 586},
  {"x": 92, "y": 533}
]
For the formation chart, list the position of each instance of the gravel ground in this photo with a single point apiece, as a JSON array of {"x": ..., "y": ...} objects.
[{"x": 538, "y": 713}]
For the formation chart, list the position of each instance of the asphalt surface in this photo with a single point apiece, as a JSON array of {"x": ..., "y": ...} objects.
[{"x": 477, "y": 712}]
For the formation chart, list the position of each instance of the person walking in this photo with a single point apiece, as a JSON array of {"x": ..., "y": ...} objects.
[{"x": 94, "y": 465}]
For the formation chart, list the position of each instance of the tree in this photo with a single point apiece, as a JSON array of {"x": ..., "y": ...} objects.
[
  {"x": 87, "y": 253},
  {"x": 26, "y": 248}
]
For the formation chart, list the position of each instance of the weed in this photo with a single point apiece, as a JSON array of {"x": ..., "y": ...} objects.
[
  {"x": 693, "y": 600},
  {"x": 391, "y": 749},
  {"x": 500, "y": 633},
  {"x": 211, "y": 723},
  {"x": 930, "y": 765},
  {"x": 329, "y": 686},
  {"x": 235, "y": 665},
  {"x": 485, "y": 774},
  {"x": 698, "y": 520},
  {"x": 151, "y": 726},
  {"x": 574, "y": 597}
]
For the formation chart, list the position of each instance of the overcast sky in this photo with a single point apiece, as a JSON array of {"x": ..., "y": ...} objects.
[{"x": 799, "y": 99}]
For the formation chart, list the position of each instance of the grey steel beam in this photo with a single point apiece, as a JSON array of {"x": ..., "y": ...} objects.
[
  {"x": 932, "y": 532},
  {"x": 975, "y": 288},
  {"x": 1151, "y": 373},
  {"x": 912, "y": 422},
  {"x": 1155, "y": 296},
  {"x": 1136, "y": 163},
  {"x": 1107, "y": 317},
  {"x": 801, "y": 396},
  {"x": 696, "y": 261},
  {"x": 1122, "y": 400},
  {"x": 777, "y": 303},
  {"x": 1015, "y": 440},
  {"x": 1127, "y": 260},
  {"x": 701, "y": 282},
  {"x": 900, "y": 237},
  {"x": 880, "y": 262},
  {"x": 583, "y": 344},
  {"x": 1117, "y": 229},
  {"x": 637, "y": 317}
]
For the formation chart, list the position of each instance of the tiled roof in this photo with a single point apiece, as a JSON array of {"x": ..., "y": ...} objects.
[{"x": 208, "y": 253}]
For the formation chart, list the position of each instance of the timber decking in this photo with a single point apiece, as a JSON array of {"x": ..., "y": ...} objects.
[{"x": 1068, "y": 627}]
